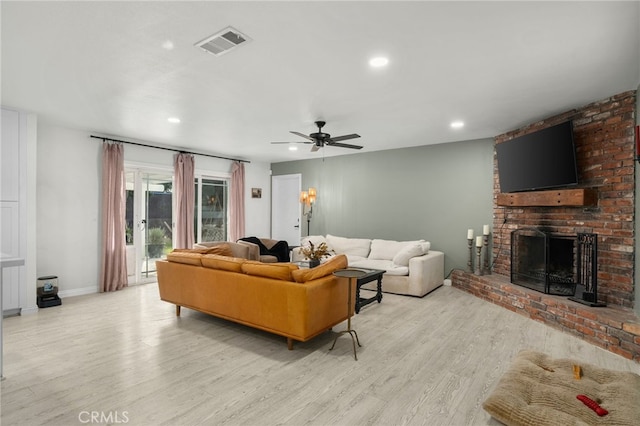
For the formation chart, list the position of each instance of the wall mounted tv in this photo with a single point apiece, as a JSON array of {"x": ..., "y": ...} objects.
[{"x": 539, "y": 160}]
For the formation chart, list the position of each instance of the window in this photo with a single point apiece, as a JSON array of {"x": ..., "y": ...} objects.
[{"x": 211, "y": 209}]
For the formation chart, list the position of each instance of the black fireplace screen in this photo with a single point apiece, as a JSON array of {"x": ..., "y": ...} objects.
[{"x": 543, "y": 261}]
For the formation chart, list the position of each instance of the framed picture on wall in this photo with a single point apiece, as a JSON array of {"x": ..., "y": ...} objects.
[{"x": 256, "y": 192}]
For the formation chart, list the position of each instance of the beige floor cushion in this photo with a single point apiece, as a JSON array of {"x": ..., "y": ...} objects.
[{"x": 539, "y": 390}]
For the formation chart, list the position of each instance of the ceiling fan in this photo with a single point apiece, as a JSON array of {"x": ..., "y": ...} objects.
[{"x": 321, "y": 139}]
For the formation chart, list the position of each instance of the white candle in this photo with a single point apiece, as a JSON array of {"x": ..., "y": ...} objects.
[
  {"x": 485, "y": 230},
  {"x": 469, "y": 234},
  {"x": 479, "y": 241}
]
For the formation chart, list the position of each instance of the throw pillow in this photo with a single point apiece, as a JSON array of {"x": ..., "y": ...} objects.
[
  {"x": 278, "y": 271},
  {"x": 351, "y": 246},
  {"x": 327, "y": 268},
  {"x": 387, "y": 249},
  {"x": 315, "y": 239},
  {"x": 225, "y": 263},
  {"x": 426, "y": 246},
  {"x": 405, "y": 254}
]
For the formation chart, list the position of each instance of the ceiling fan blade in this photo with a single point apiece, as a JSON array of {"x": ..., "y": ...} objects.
[
  {"x": 314, "y": 148},
  {"x": 302, "y": 135},
  {"x": 292, "y": 142},
  {"x": 345, "y": 137},
  {"x": 344, "y": 145}
]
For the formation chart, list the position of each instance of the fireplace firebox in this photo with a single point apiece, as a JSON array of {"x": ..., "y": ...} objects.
[{"x": 543, "y": 261}]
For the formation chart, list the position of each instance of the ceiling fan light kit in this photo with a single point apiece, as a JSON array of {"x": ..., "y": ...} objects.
[{"x": 321, "y": 139}]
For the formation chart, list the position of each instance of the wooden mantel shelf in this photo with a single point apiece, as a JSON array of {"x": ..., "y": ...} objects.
[{"x": 559, "y": 197}]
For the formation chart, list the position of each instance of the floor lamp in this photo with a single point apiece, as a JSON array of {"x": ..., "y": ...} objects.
[{"x": 308, "y": 198}]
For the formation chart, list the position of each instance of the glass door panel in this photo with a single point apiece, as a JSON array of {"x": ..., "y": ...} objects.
[
  {"x": 211, "y": 210},
  {"x": 157, "y": 222},
  {"x": 131, "y": 227},
  {"x": 149, "y": 222}
]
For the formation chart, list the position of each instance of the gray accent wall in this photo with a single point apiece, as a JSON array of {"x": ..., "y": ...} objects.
[{"x": 434, "y": 192}]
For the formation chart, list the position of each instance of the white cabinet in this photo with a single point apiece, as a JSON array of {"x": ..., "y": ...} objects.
[{"x": 12, "y": 208}]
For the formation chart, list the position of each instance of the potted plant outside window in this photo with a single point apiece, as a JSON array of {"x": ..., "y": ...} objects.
[{"x": 155, "y": 242}]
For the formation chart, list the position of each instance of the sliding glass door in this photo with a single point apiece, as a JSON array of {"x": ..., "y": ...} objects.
[{"x": 149, "y": 219}]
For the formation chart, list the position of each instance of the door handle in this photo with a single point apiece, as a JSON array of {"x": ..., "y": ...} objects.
[{"x": 296, "y": 226}]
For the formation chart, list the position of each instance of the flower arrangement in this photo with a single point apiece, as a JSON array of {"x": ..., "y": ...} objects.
[{"x": 312, "y": 252}]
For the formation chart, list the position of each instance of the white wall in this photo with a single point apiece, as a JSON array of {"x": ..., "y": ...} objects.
[{"x": 68, "y": 199}]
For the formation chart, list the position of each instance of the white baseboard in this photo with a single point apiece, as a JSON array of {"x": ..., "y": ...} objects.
[
  {"x": 77, "y": 292},
  {"x": 29, "y": 310}
]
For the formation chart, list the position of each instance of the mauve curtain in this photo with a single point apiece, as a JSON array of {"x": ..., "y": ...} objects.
[
  {"x": 113, "y": 274},
  {"x": 236, "y": 202},
  {"x": 184, "y": 192}
]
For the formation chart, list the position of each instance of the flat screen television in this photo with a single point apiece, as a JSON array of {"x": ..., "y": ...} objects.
[{"x": 539, "y": 160}]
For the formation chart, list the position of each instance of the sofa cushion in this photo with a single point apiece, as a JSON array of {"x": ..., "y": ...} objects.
[
  {"x": 225, "y": 263},
  {"x": 315, "y": 239},
  {"x": 278, "y": 271},
  {"x": 327, "y": 268},
  {"x": 409, "y": 251},
  {"x": 385, "y": 265},
  {"x": 221, "y": 249},
  {"x": 352, "y": 246},
  {"x": 387, "y": 249},
  {"x": 267, "y": 258},
  {"x": 186, "y": 257},
  {"x": 201, "y": 250},
  {"x": 353, "y": 258}
]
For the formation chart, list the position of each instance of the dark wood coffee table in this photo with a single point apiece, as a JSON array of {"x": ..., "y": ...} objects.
[{"x": 369, "y": 276}]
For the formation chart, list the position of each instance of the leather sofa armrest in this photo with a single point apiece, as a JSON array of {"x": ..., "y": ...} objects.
[
  {"x": 253, "y": 251},
  {"x": 426, "y": 272},
  {"x": 238, "y": 250}
]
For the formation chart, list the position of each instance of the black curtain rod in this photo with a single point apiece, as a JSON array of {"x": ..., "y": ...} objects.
[{"x": 170, "y": 149}]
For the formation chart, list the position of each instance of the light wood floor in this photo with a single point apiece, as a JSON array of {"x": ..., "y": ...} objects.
[{"x": 429, "y": 361}]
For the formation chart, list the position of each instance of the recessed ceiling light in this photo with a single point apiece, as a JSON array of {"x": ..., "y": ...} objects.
[
  {"x": 168, "y": 44},
  {"x": 457, "y": 124},
  {"x": 378, "y": 62},
  {"x": 293, "y": 148},
  {"x": 174, "y": 120}
]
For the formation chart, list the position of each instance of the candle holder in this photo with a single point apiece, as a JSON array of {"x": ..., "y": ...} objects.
[
  {"x": 478, "y": 270},
  {"x": 470, "y": 261},
  {"x": 485, "y": 268}
]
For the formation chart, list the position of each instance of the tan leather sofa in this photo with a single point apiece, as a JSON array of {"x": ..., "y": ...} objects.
[{"x": 280, "y": 298}]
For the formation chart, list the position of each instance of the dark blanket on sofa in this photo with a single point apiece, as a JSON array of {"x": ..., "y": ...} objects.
[{"x": 280, "y": 249}]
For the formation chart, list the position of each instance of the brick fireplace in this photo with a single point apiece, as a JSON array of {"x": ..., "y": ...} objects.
[{"x": 605, "y": 152}]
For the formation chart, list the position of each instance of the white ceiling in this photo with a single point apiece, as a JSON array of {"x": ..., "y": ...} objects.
[{"x": 101, "y": 67}]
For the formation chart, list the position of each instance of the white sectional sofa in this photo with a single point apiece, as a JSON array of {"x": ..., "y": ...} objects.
[{"x": 412, "y": 268}]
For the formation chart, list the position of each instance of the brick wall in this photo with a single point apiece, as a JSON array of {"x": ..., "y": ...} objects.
[{"x": 605, "y": 153}]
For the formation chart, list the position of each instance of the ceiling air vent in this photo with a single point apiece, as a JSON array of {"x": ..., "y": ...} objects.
[{"x": 223, "y": 41}]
